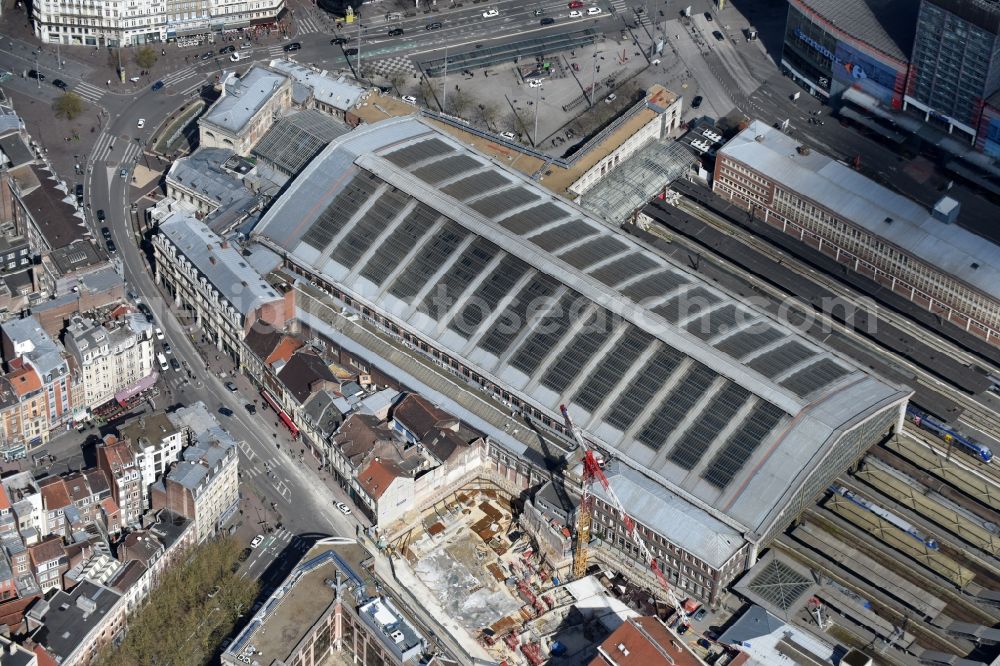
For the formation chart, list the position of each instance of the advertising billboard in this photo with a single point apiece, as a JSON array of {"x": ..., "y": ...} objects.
[{"x": 855, "y": 69}]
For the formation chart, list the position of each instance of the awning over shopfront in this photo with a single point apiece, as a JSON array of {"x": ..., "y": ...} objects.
[
  {"x": 285, "y": 418},
  {"x": 138, "y": 387}
]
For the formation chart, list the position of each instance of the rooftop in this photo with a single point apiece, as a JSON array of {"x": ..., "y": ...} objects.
[
  {"x": 202, "y": 172},
  {"x": 243, "y": 98},
  {"x": 643, "y": 641},
  {"x": 30, "y": 341},
  {"x": 341, "y": 93},
  {"x": 148, "y": 430},
  {"x": 77, "y": 255},
  {"x": 296, "y": 138},
  {"x": 306, "y": 596},
  {"x": 721, "y": 401},
  {"x": 222, "y": 264},
  {"x": 14, "y": 150},
  {"x": 880, "y": 211},
  {"x": 50, "y": 205},
  {"x": 72, "y": 616},
  {"x": 887, "y": 25}
]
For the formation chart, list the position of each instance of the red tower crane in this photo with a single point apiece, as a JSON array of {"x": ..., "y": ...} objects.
[{"x": 592, "y": 472}]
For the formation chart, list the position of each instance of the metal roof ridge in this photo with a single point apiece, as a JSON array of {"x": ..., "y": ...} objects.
[{"x": 600, "y": 294}]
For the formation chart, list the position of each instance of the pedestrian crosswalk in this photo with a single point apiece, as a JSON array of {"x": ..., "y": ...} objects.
[
  {"x": 181, "y": 74},
  {"x": 130, "y": 154},
  {"x": 306, "y": 22},
  {"x": 103, "y": 146},
  {"x": 89, "y": 92},
  {"x": 275, "y": 51}
]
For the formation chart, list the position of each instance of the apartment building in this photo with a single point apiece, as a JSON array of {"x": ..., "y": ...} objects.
[
  {"x": 211, "y": 280},
  {"x": 204, "y": 485},
  {"x": 918, "y": 254},
  {"x": 118, "y": 463},
  {"x": 37, "y": 368},
  {"x": 111, "y": 355},
  {"x": 144, "y": 22},
  {"x": 156, "y": 443}
]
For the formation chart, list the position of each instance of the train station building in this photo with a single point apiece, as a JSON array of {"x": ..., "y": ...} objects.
[
  {"x": 719, "y": 422},
  {"x": 918, "y": 254}
]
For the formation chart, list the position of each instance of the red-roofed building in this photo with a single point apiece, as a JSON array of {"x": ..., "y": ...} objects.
[
  {"x": 55, "y": 500},
  {"x": 385, "y": 491},
  {"x": 644, "y": 641},
  {"x": 49, "y": 562}
]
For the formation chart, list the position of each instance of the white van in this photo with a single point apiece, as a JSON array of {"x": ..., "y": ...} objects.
[{"x": 163, "y": 362}]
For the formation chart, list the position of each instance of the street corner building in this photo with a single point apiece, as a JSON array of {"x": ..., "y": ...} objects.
[{"x": 720, "y": 422}]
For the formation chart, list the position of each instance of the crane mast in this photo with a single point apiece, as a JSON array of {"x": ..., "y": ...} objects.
[{"x": 592, "y": 472}]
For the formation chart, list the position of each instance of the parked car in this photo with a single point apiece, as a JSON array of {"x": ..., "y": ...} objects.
[
  {"x": 610, "y": 98},
  {"x": 548, "y": 20},
  {"x": 491, "y": 13},
  {"x": 157, "y": 85},
  {"x": 576, "y": 13},
  {"x": 256, "y": 541},
  {"x": 207, "y": 54},
  {"x": 510, "y": 136},
  {"x": 395, "y": 32},
  {"x": 576, "y": 4},
  {"x": 593, "y": 11},
  {"x": 719, "y": 37},
  {"x": 59, "y": 83},
  {"x": 79, "y": 193},
  {"x": 175, "y": 365},
  {"x": 433, "y": 26},
  {"x": 167, "y": 348},
  {"x": 708, "y": 16},
  {"x": 105, "y": 231},
  {"x": 231, "y": 387},
  {"x": 111, "y": 247},
  {"x": 227, "y": 49},
  {"x": 251, "y": 409},
  {"x": 343, "y": 508},
  {"x": 294, "y": 46},
  {"x": 35, "y": 74},
  {"x": 696, "y": 102},
  {"x": 409, "y": 99},
  {"x": 100, "y": 216},
  {"x": 159, "y": 333},
  {"x": 245, "y": 554},
  {"x": 225, "y": 411}
]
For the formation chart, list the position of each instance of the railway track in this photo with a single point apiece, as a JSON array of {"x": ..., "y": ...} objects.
[
  {"x": 975, "y": 415},
  {"x": 843, "y": 291}
]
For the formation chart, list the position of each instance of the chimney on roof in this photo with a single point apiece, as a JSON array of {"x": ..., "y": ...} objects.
[
  {"x": 803, "y": 150},
  {"x": 224, "y": 244},
  {"x": 211, "y": 259}
]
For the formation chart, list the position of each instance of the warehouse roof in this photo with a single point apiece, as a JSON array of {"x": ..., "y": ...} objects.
[
  {"x": 670, "y": 373},
  {"x": 860, "y": 200},
  {"x": 296, "y": 138}
]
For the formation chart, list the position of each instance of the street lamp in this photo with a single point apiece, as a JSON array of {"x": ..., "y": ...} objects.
[{"x": 593, "y": 77}]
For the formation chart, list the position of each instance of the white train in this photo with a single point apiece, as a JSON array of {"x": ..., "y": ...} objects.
[{"x": 887, "y": 516}]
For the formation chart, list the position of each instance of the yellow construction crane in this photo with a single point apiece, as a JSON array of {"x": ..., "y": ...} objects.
[{"x": 592, "y": 472}]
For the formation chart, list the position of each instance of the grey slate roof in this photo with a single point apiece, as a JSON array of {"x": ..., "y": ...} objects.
[
  {"x": 12, "y": 146},
  {"x": 340, "y": 92},
  {"x": 202, "y": 172},
  {"x": 224, "y": 266},
  {"x": 714, "y": 399},
  {"x": 946, "y": 247},
  {"x": 243, "y": 98}
]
